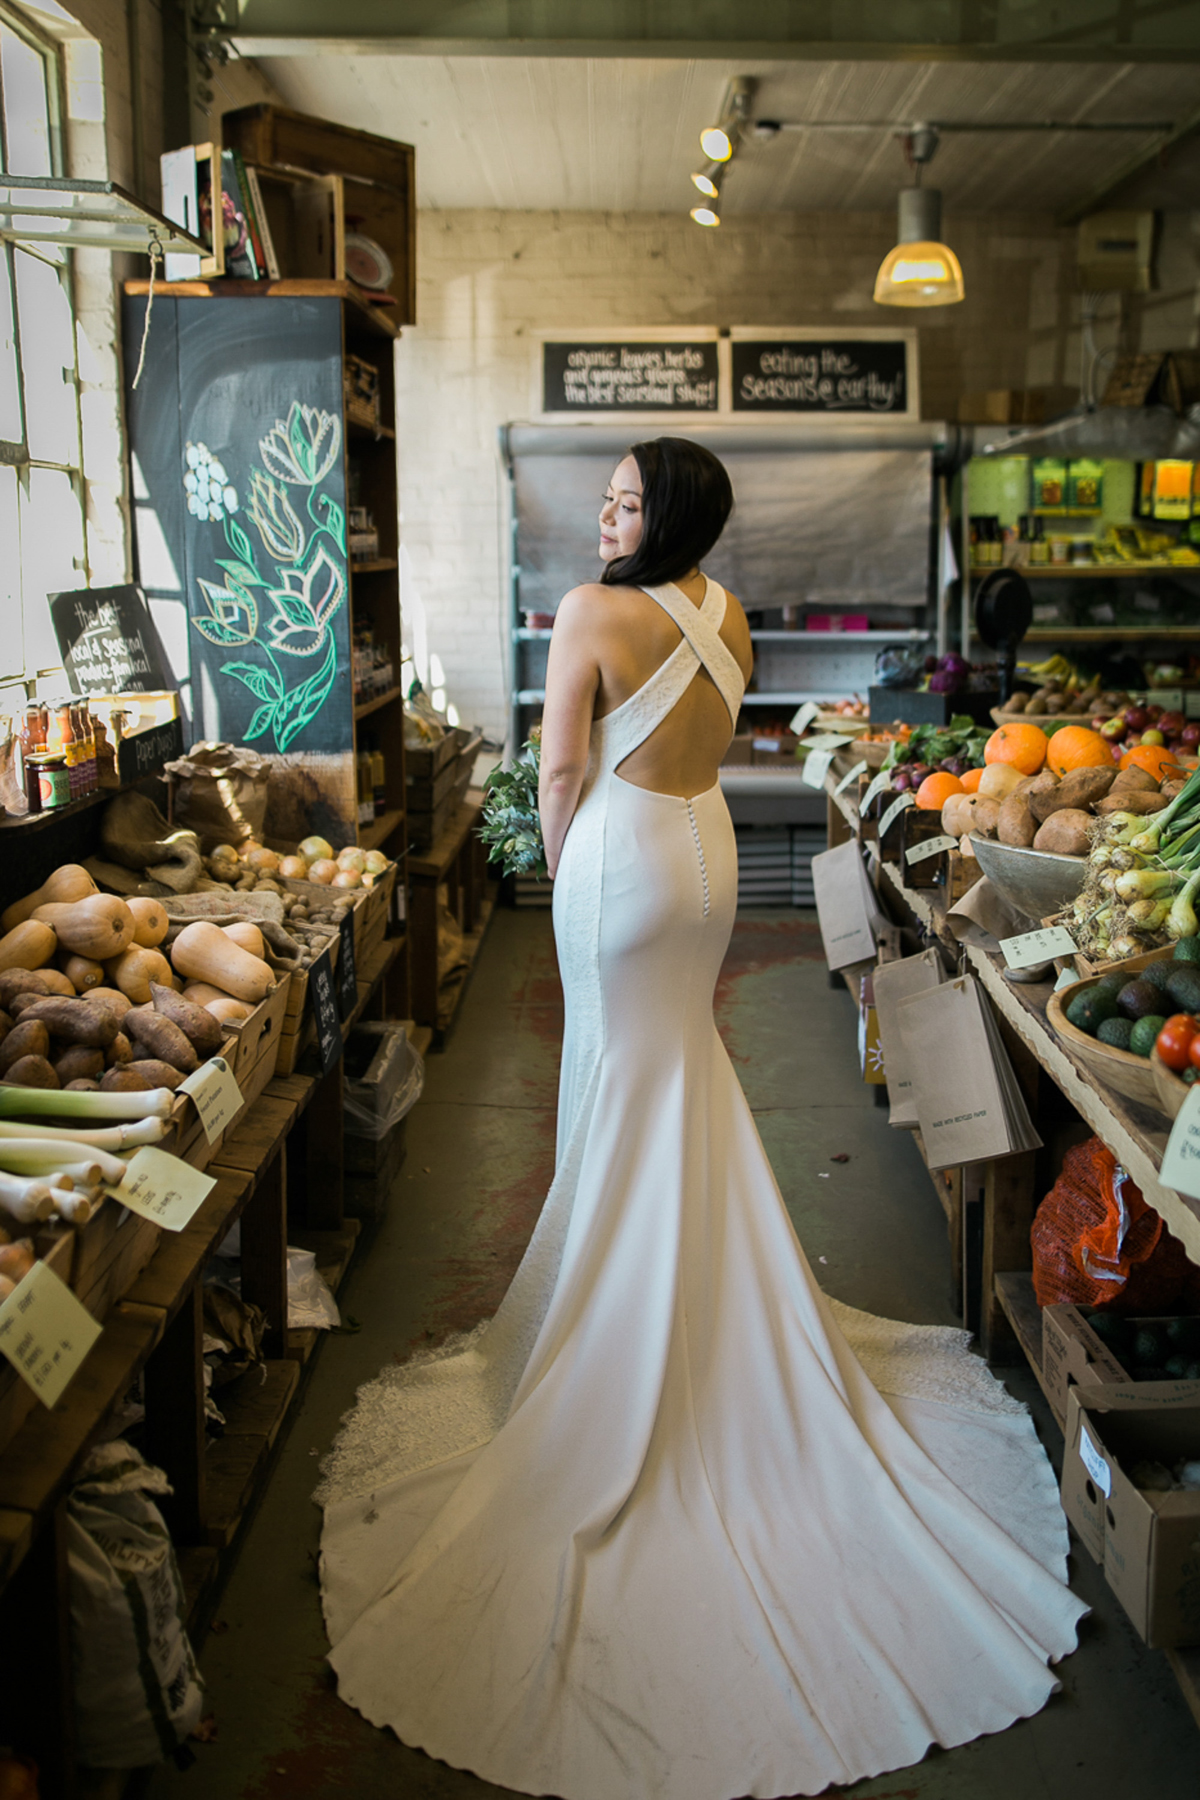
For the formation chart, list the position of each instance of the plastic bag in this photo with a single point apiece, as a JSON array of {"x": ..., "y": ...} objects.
[
  {"x": 138, "y": 1692},
  {"x": 375, "y": 1105},
  {"x": 221, "y": 793},
  {"x": 1097, "y": 1243},
  {"x": 310, "y": 1298},
  {"x": 899, "y": 667}
]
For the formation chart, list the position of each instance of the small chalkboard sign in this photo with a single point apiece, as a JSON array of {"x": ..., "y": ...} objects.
[
  {"x": 830, "y": 376},
  {"x": 108, "y": 641},
  {"x": 671, "y": 376},
  {"x": 347, "y": 974},
  {"x": 325, "y": 1012}
]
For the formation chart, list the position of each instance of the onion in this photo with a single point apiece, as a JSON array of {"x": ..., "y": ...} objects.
[
  {"x": 322, "y": 871},
  {"x": 247, "y": 849},
  {"x": 376, "y": 862},
  {"x": 352, "y": 858},
  {"x": 347, "y": 878},
  {"x": 294, "y": 868},
  {"x": 316, "y": 849},
  {"x": 265, "y": 861}
]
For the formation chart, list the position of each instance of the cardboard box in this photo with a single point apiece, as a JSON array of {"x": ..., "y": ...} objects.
[
  {"x": 1073, "y": 1356},
  {"x": 1147, "y": 1542}
]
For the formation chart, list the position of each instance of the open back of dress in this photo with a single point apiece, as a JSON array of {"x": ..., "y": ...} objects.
[{"x": 652, "y": 1531}]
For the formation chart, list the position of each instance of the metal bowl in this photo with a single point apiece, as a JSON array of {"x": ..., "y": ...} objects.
[{"x": 1036, "y": 882}]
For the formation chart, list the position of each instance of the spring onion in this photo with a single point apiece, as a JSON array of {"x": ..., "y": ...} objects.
[
  {"x": 111, "y": 1138},
  {"x": 1181, "y": 920},
  {"x": 26, "y": 1201},
  {"x": 59, "y": 1103}
]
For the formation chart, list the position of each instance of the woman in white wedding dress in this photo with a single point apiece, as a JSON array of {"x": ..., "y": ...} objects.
[{"x": 673, "y": 1526}]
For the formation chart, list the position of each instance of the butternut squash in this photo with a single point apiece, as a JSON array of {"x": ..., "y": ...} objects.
[
  {"x": 59, "y": 983},
  {"x": 247, "y": 934},
  {"x": 70, "y": 882},
  {"x": 82, "y": 973},
  {"x": 98, "y": 927},
  {"x": 203, "y": 950},
  {"x": 202, "y": 993},
  {"x": 29, "y": 945},
  {"x": 135, "y": 971},
  {"x": 229, "y": 1012},
  {"x": 151, "y": 921}
]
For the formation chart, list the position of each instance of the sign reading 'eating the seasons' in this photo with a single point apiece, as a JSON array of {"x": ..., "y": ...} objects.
[
  {"x": 845, "y": 375},
  {"x": 632, "y": 377}
]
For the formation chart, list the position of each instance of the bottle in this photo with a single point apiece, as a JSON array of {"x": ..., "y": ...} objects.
[
  {"x": 87, "y": 739},
  {"x": 378, "y": 781},
  {"x": 68, "y": 744}
]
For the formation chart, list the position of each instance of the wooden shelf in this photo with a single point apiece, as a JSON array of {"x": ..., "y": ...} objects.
[
  {"x": 1096, "y": 634},
  {"x": 365, "y": 708},
  {"x": 333, "y": 1251},
  {"x": 376, "y": 565},
  {"x": 372, "y": 434},
  {"x": 254, "y": 1409},
  {"x": 366, "y": 314},
  {"x": 904, "y": 635},
  {"x": 1087, "y": 571},
  {"x": 370, "y": 837}
]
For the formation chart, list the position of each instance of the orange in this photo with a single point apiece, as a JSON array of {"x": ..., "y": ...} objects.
[
  {"x": 1077, "y": 747},
  {"x": 1024, "y": 746},
  {"x": 936, "y": 789},
  {"x": 1154, "y": 758},
  {"x": 971, "y": 780}
]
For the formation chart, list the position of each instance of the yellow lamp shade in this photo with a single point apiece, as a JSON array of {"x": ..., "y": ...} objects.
[
  {"x": 716, "y": 143},
  {"x": 923, "y": 273}
]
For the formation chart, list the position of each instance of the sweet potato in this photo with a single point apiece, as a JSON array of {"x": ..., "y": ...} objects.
[
  {"x": 1133, "y": 800},
  {"x": 29, "y": 1038},
  {"x": 1065, "y": 833},
  {"x": 1139, "y": 779},
  {"x": 1080, "y": 790},
  {"x": 124, "y": 1079},
  {"x": 119, "y": 1051},
  {"x": 155, "y": 1036},
  {"x": 964, "y": 813},
  {"x": 21, "y": 981},
  {"x": 198, "y": 1026},
  {"x": 1041, "y": 783},
  {"x": 1017, "y": 825},
  {"x": 158, "y": 1074},
  {"x": 21, "y": 1003},
  {"x": 77, "y": 1063},
  {"x": 75, "y": 1021},
  {"x": 82, "y": 1085},
  {"x": 31, "y": 1071},
  {"x": 117, "y": 1003}
]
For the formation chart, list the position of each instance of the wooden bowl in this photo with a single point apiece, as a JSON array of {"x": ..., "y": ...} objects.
[
  {"x": 1036, "y": 882},
  {"x": 1130, "y": 1075},
  {"x": 1040, "y": 719},
  {"x": 1170, "y": 1089}
]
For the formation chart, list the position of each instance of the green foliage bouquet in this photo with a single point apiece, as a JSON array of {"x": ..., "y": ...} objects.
[{"x": 512, "y": 827}]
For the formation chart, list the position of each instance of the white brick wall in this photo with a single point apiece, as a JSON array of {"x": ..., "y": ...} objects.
[{"x": 488, "y": 280}]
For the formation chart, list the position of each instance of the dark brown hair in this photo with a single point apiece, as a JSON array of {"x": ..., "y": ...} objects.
[{"x": 686, "y": 499}]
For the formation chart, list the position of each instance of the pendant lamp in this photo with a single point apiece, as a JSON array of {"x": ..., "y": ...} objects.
[{"x": 921, "y": 270}]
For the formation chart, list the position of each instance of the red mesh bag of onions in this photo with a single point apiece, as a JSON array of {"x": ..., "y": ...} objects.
[{"x": 1096, "y": 1242}]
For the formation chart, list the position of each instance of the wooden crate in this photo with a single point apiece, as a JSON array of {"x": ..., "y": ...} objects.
[
  {"x": 297, "y": 1030},
  {"x": 55, "y": 1246},
  {"x": 258, "y": 1036}
]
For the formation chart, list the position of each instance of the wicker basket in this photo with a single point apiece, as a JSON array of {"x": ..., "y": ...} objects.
[
  {"x": 1128, "y": 1074},
  {"x": 1171, "y": 1091}
]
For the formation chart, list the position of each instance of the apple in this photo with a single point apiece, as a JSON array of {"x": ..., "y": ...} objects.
[
  {"x": 1112, "y": 729},
  {"x": 1152, "y": 737},
  {"x": 1154, "y": 714},
  {"x": 1189, "y": 737},
  {"x": 1172, "y": 723},
  {"x": 1136, "y": 718}
]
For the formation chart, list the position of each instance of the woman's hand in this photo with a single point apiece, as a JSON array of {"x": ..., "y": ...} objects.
[{"x": 572, "y": 679}]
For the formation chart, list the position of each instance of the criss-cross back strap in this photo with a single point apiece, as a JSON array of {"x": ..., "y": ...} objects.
[{"x": 701, "y": 626}]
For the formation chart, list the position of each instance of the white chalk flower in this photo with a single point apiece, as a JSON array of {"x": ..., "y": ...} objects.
[{"x": 207, "y": 486}]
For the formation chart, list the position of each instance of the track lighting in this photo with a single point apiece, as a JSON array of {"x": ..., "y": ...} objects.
[
  {"x": 920, "y": 270},
  {"x": 706, "y": 215},
  {"x": 706, "y": 181},
  {"x": 716, "y": 143},
  {"x": 720, "y": 144}
]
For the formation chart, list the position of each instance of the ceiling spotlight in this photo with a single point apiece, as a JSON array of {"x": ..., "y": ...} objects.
[
  {"x": 716, "y": 143},
  {"x": 719, "y": 141},
  {"x": 706, "y": 215},
  {"x": 920, "y": 270},
  {"x": 705, "y": 181}
]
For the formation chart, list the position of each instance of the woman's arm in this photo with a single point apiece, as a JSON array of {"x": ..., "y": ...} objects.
[{"x": 572, "y": 678}]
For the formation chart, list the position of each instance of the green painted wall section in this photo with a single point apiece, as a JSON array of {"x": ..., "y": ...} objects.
[{"x": 1000, "y": 487}]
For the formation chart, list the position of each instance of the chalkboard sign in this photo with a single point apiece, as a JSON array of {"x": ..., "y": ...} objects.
[
  {"x": 347, "y": 974},
  {"x": 108, "y": 642},
  {"x": 812, "y": 375},
  {"x": 635, "y": 377},
  {"x": 325, "y": 1012},
  {"x": 147, "y": 751}
]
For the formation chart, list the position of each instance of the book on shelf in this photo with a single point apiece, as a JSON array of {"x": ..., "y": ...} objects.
[
  {"x": 240, "y": 259},
  {"x": 264, "y": 243}
]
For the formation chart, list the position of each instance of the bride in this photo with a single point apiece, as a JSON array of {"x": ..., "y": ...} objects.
[{"x": 673, "y": 1526}]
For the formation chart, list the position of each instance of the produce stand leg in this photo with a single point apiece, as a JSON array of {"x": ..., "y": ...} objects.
[
  {"x": 264, "y": 1252},
  {"x": 1008, "y": 1207},
  {"x": 37, "y": 1713},
  {"x": 175, "y": 1436},
  {"x": 423, "y": 952},
  {"x": 315, "y": 1174}
]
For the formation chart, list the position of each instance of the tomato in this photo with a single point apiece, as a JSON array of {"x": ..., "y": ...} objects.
[
  {"x": 1174, "y": 1041},
  {"x": 1194, "y": 1054}
]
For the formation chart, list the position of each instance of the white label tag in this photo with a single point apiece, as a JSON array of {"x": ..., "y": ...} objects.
[
  {"x": 880, "y": 785},
  {"x": 899, "y": 805},
  {"x": 1181, "y": 1159},
  {"x": 1037, "y": 946},
  {"x": 217, "y": 1096},
  {"x": 816, "y": 767},
  {"x": 803, "y": 717},
  {"x": 1067, "y": 979},
  {"x": 827, "y": 740},
  {"x": 858, "y": 769},
  {"x": 931, "y": 847},
  {"x": 1095, "y": 1464},
  {"x": 159, "y": 1187},
  {"x": 45, "y": 1332}
]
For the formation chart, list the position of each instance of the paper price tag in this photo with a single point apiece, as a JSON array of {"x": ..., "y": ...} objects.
[
  {"x": 1095, "y": 1464},
  {"x": 899, "y": 805},
  {"x": 159, "y": 1187},
  {"x": 1033, "y": 947},
  {"x": 45, "y": 1332},
  {"x": 827, "y": 740},
  {"x": 1181, "y": 1159},
  {"x": 880, "y": 785},
  {"x": 217, "y": 1096},
  {"x": 1068, "y": 978},
  {"x": 816, "y": 767},
  {"x": 803, "y": 717},
  {"x": 931, "y": 847},
  {"x": 860, "y": 768}
]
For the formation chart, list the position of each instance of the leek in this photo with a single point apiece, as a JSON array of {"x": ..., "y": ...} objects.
[
  {"x": 80, "y": 1104},
  {"x": 76, "y": 1209},
  {"x": 111, "y": 1137},
  {"x": 26, "y": 1201},
  {"x": 45, "y": 1156}
]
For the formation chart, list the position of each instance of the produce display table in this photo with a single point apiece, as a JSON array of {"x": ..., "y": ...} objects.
[
  {"x": 456, "y": 862},
  {"x": 990, "y": 1205}
]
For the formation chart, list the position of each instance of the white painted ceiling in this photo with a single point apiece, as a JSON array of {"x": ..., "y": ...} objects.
[{"x": 621, "y": 134}]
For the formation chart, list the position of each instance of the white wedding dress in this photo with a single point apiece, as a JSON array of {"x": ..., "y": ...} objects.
[{"x": 654, "y": 1533}]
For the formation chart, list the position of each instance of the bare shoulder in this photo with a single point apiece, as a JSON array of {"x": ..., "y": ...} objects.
[
  {"x": 736, "y": 632},
  {"x": 581, "y": 609}
]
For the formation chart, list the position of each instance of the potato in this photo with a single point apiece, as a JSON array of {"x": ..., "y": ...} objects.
[
  {"x": 123, "y": 1079},
  {"x": 1017, "y": 824},
  {"x": 1078, "y": 791},
  {"x": 119, "y": 1051},
  {"x": 117, "y": 1003},
  {"x": 158, "y": 1038},
  {"x": 78, "y": 1063},
  {"x": 998, "y": 781},
  {"x": 31, "y": 1071},
  {"x": 29, "y": 1038},
  {"x": 964, "y": 813},
  {"x": 74, "y": 1021},
  {"x": 1170, "y": 789},
  {"x": 1041, "y": 783},
  {"x": 198, "y": 1026},
  {"x": 82, "y": 1085},
  {"x": 1133, "y": 777},
  {"x": 1065, "y": 833},
  {"x": 158, "y": 1074},
  {"x": 1131, "y": 801}
]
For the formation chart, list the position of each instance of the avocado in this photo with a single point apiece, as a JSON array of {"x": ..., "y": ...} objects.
[
  {"x": 1176, "y": 1367},
  {"x": 1183, "y": 987},
  {"x": 1187, "y": 950},
  {"x": 1158, "y": 974},
  {"x": 1137, "y": 998},
  {"x": 1111, "y": 984},
  {"x": 1193, "y": 1372},
  {"x": 1149, "y": 1347},
  {"x": 1184, "y": 1334},
  {"x": 1115, "y": 1032},
  {"x": 1088, "y": 1010},
  {"x": 1141, "y": 1038}
]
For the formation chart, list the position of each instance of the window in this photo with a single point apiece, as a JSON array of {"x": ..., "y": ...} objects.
[{"x": 43, "y": 534}]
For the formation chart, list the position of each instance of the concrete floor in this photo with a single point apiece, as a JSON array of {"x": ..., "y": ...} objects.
[{"x": 481, "y": 1147}]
